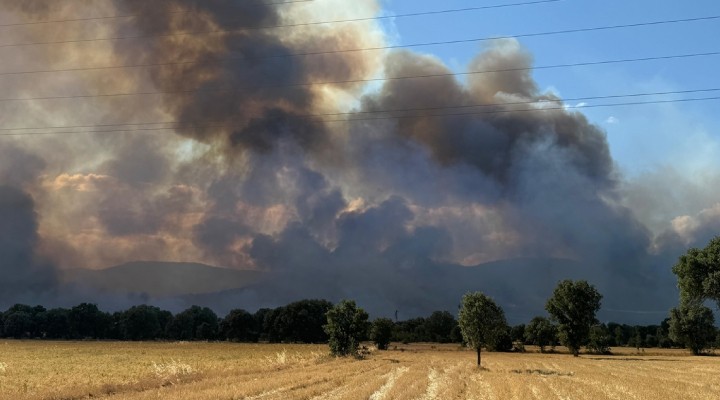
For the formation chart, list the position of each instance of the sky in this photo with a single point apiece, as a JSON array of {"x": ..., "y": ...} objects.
[{"x": 176, "y": 134}]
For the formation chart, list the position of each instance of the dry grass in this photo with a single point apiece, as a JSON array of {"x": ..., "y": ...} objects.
[{"x": 184, "y": 371}]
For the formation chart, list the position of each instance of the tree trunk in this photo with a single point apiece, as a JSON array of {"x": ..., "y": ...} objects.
[{"x": 478, "y": 351}]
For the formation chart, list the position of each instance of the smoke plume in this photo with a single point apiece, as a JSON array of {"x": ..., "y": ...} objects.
[{"x": 274, "y": 154}]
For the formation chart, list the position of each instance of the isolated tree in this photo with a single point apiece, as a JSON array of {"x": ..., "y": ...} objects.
[
  {"x": 698, "y": 272},
  {"x": 381, "y": 332},
  {"x": 481, "y": 321},
  {"x": 540, "y": 332},
  {"x": 346, "y": 325},
  {"x": 693, "y": 326},
  {"x": 573, "y": 306}
]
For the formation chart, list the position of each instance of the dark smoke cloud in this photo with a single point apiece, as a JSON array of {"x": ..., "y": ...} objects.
[
  {"x": 24, "y": 275},
  {"x": 487, "y": 141},
  {"x": 238, "y": 72},
  {"x": 17, "y": 166}
]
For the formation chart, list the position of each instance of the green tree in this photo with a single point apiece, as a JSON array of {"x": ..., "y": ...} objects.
[
  {"x": 481, "y": 321},
  {"x": 663, "y": 334},
  {"x": 346, "y": 325},
  {"x": 619, "y": 336},
  {"x": 573, "y": 306},
  {"x": 87, "y": 321},
  {"x": 32, "y": 327},
  {"x": 636, "y": 340},
  {"x": 57, "y": 323},
  {"x": 195, "y": 323},
  {"x": 517, "y": 333},
  {"x": 381, "y": 332},
  {"x": 698, "y": 273},
  {"x": 18, "y": 324},
  {"x": 693, "y": 326},
  {"x": 540, "y": 332},
  {"x": 599, "y": 341},
  {"x": 502, "y": 341},
  {"x": 239, "y": 326},
  {"x": 141, "y": 323},
  {"x": 439, "y": 326}
]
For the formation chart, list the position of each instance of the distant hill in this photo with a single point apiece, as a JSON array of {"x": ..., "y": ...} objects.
[
  {"x": 162, "y": 279},
  {"x": 520, "y": 285}
]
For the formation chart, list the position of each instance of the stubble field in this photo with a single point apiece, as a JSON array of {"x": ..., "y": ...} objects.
[{"x": 112, "y": 370}]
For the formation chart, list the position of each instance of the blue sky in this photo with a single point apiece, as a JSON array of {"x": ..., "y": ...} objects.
[{"x": 642, "y": 138}]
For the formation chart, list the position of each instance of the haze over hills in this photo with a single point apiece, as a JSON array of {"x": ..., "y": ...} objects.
[
  {"x": 521, "y": 286},
  {"x": 410, "y": 294},
  {"x": 162, "y": 279}
]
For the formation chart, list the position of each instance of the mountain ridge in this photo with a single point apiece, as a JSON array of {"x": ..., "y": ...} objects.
[{"x": 162, "y": 278}]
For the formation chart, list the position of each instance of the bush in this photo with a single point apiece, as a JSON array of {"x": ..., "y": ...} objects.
[
  {"x": 599, "y": 342},
  {"x": 541, "y": 332},
  {"x": 346, "y": 325},
  {"x": 502, "y": 342},
  {"x": 381, "y": 332}
]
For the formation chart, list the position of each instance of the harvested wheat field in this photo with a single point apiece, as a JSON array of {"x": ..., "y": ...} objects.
[{"x": 111, "y": 370}]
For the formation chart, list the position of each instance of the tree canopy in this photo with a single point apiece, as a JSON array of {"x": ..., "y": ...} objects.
[
  {"x": 346, "y": 325},
  {"x": 481, "y": 321},
  {"x": 381, "y": 332},
  {"x": 698, "y": 272},
  {"x": 694, "y": 326},
  {"x": 573, "y": 306},
  {"x": 541, "y": 332}
]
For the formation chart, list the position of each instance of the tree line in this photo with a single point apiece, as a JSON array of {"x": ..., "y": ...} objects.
[{"x": 299, "y": 322}]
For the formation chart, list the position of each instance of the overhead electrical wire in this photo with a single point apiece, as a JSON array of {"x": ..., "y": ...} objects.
[
  {"x": 160, "y": 64},
  {"x": 380, "y": 17},
  {"x": 13, "y": 131},
  {"x": 195, "y": 123},
  {"x": 140, "y": 127},
  {"x": 399, "y": 46},
  {"x": 382, "y": 79}
]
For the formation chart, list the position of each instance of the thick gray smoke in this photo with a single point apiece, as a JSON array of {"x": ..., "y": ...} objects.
[
  {"x": 392, "y": 200},
  {"x": 25, "y": 275}
]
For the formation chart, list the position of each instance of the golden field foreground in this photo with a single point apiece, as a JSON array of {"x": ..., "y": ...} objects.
[{"x": 115, "y": 370}]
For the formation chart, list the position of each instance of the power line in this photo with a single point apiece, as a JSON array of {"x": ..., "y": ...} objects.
[
  {"x": 349, "y": 81},
  {"x": 448, "y": 107},
  {"x": 468, "y": 113},
  {"x": 566, "y": 107},
  {"x": 400, "y": 46},
  {"x": 381, "y": 17}
]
